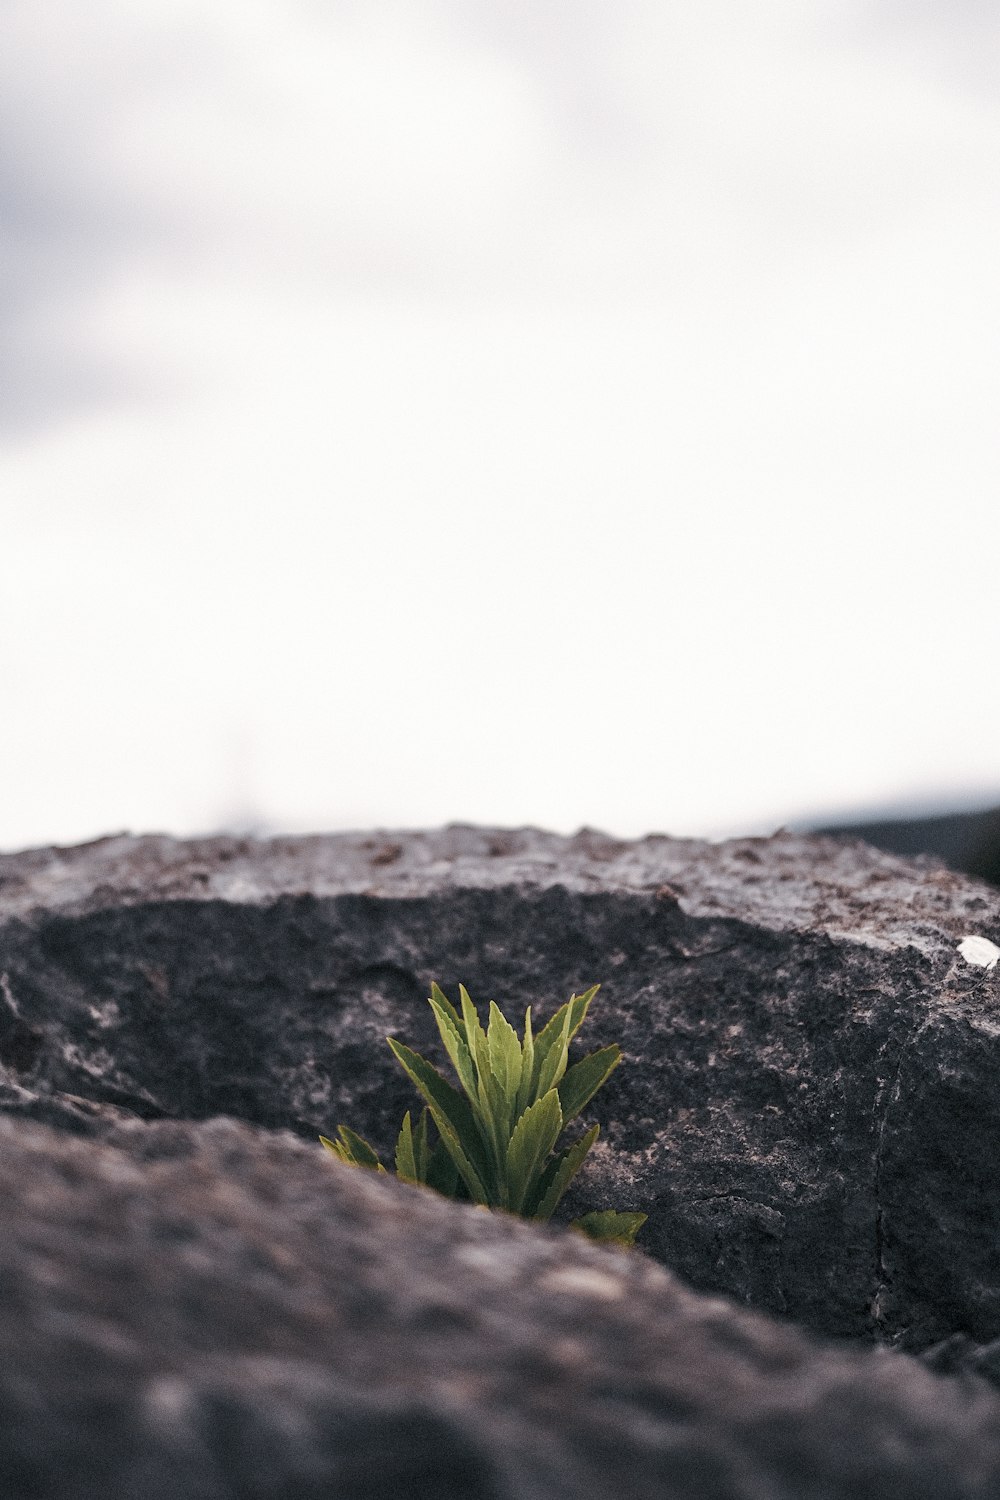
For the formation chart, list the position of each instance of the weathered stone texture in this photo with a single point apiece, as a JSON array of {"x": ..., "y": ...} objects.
[
  {"x": 807, "y": 1110},
  {"x": 207, "y": 1311},
  {"x": 807, "y": 1107}
]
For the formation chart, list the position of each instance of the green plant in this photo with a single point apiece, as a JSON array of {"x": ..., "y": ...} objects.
[{"x": 497, "y": 1138}]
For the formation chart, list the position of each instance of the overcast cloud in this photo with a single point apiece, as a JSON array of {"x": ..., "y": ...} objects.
[{"x": 431, "y": 410}]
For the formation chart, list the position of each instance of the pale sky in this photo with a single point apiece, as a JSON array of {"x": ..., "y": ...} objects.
[{"x": 582, "y": 413}]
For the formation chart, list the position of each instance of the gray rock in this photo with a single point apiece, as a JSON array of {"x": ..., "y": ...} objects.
[
  {"x": 807, "y": 1110},
  {"x": 210, "y": 1311},
  {"x": 807, "y": 1107},
  {"x": 967, "y": 841}
]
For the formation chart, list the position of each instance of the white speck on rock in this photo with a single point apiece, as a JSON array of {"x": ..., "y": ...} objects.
[{"x": 979, "y": 951}]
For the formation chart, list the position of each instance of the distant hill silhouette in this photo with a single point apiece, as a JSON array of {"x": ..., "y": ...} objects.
[{"x": 967, "y": 841}]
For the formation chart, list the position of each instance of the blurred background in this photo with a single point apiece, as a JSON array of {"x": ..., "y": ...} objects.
[{"x": 575, "y": 413}]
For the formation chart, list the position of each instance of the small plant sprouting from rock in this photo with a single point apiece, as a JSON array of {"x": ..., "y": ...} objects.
[{"x": 497, "y": 1138}]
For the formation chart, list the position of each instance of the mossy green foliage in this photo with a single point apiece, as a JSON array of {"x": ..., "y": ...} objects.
[{"x": 497, "y": 1135}]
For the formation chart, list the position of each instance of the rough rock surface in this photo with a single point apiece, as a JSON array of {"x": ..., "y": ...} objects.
[
  {"x": 199, "y": 1312},
  {"x": 807, "y": 1110}
]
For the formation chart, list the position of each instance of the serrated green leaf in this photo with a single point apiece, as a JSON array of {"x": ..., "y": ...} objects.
[
  {"x": 475, "y": 1036},
  {"x": 334, "y": 1149},
  {"x": 527, "y": 1068},
  {"x": 554, "y": 1029},
  {"x": 559, "y": 1175},
  {"x": 535, "y": 1134},
  {"x": 585, "y": 1077},
  {"x": 438, "y": 995},
  {"x": 505, "y": 1054},
  {"x": 451, "y": 1114},
  {"x": 350, "y": 1148},
  {"x": 406, "y": 1157},
  {"x": 454, "y": 1033},
  {"x": 456, "y": 1046},
  {"x": 610, "y": 1228},
  {"x": 576, "y": 1006},
  {"x": 554, "y": 1066},
  {"x": 439, "y": 1094},
  {"x": 493, "y": 1117},
  {"x": 442, "y": 1173}
]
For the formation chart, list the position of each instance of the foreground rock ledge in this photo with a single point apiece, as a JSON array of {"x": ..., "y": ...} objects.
[
  {"x": 207, "y": 1311},
  {"x": 807, "y": 1109}
]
